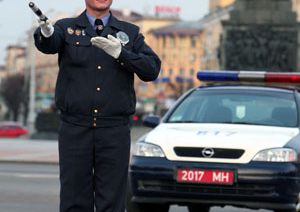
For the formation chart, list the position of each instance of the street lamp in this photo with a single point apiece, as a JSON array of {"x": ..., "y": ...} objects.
[{"x": 31, "y": 77}]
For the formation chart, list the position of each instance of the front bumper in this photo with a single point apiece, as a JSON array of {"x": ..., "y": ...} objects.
[{"x": 256, "y": 184}]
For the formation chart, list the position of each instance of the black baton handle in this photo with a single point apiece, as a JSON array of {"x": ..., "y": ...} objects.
[{"x": 37, "y": 11}]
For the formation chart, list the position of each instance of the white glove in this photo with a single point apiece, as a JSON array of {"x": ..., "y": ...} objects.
[
  {"x": 110, "y": 45},
  {"x": 46, "y": 28}
]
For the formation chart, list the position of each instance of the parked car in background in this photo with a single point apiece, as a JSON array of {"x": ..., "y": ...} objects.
[
  {"x": 12, "y": 129},
  {"x": 229, "y": 143}
]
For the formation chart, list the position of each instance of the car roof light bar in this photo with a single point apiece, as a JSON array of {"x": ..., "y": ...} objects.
[
  {"x": 288, "y": 78},
  {"x": 218, "y": 76},
  {"x": 250, "y": 76}
]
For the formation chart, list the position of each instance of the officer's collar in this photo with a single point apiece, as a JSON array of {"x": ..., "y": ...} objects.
[{"x": 82, "y": 21}]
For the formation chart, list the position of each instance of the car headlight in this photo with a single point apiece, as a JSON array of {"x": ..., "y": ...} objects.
[
  {"x": 276, "y": 155},
  {"x": 147, "y": 150}
]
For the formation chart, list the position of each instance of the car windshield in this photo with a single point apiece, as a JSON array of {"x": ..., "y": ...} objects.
[{"x": 236, "y": 107}]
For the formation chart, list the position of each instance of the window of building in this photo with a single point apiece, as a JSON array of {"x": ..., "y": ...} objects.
[
  {"x": 142, "y": 88},
  {"x": 193, "y": 41},
  {"x": 181, "y": 72},
  {"x": 172, "y": 41},
  {"x": 192, "y": 57},
  {"x": 164, "y": 41},
  {"x": 192, "y": 72},
  {"x": 170, "y": 72},
  {"x": 182, "y": 42}
]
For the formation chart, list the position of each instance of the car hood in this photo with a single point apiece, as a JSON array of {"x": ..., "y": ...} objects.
[{"x": 249, "y": 138}]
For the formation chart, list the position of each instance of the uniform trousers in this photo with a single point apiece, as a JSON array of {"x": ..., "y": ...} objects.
[{"x": 93, "y": 167}]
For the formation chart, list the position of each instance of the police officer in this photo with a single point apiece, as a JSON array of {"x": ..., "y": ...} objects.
[{"x": 98, "y": 57}]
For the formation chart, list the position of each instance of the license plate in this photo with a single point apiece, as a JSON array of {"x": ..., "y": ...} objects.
[{"x": 205, "y": 176}]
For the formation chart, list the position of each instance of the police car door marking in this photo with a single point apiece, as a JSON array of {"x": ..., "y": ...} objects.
[
  {"x": 202, "y": 132},
  {"x": 215, "y": 133}
]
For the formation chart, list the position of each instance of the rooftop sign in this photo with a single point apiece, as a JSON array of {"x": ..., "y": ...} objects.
[{"x": 167, "y": 9}]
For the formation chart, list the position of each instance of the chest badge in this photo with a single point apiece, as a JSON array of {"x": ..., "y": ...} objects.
[
  {"x": 123, "y": 37},
  {"x": 78, "y": 32},
  {"x": 70, "y": 31}
]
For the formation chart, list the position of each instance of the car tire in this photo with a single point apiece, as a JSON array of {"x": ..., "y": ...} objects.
[
  {"x": 143, "y": 207},
  {"x": 198, "y": 208}
]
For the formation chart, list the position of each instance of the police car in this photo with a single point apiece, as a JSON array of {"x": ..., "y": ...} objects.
[{"x": 235, "y": 142}]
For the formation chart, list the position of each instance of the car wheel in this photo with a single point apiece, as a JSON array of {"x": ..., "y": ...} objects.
[{"x": 198, "y": 208}]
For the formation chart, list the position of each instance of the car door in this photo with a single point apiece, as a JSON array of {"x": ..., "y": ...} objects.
[{"x": 3, "y": 131}]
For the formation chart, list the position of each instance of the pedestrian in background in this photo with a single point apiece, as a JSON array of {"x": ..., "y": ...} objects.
[{"x": 98, "y": 57}]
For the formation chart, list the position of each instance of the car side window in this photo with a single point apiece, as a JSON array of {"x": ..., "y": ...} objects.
[
  {"x": 4, "y": 127},
  {"x": 12, "y": 127}
]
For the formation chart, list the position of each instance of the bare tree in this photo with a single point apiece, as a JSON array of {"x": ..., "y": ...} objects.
[{"x": 12, "y": 92}]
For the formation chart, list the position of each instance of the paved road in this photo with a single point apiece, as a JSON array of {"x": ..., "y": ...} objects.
[
  {"x": 137, "y": 132},
  {"x": 41, "y": 150},
  {"x": 28, "y": 188},
  {"x": 35, "y": 188}
]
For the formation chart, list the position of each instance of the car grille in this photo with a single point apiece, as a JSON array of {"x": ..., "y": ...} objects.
[
  {"x": 192, "y": 188},
  {"x": 218, "y": 152}
]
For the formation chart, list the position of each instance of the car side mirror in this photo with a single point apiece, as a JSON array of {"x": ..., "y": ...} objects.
[{"x": 151, "y": 121}]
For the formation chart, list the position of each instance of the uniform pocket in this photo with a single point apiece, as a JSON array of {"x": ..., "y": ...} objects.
[{"x": 78, "y": 51}]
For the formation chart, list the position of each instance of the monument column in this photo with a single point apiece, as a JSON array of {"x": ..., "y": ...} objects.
[{"x": 261, "y": 35}]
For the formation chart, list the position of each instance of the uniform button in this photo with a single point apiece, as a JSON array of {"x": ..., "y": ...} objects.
[
  {"x": 99, "y": 67},
  {"x": 95, "y": 111},
  {"x": 77, "y": 43},
  {"x": 95, "y": 119},
  {"x": 123, "y": 44},
  {"x": 98, "y": 89},
  {"x": 94, "y": 124},
  {"x": 122, "y": 64},
  {"x": 118, "y": 61}
]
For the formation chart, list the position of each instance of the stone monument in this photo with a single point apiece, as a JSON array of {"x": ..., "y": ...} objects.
[{"x": 261, "y": 35}]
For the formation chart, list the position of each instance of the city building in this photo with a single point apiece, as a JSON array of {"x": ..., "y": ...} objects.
[
  {"x": 15, "y": 59},
  {"x": 180, "y": 48},
  {"x": 215, "y": 4},
  {"x": 212, "y": 30},
  {"x": 2, "y": 73}
]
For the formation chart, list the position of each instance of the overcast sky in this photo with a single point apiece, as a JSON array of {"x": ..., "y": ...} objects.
[{"x": 16, "y": 17}]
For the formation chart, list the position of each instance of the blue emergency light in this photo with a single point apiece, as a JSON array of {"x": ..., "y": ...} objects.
[{"x": 249, "y": 76}]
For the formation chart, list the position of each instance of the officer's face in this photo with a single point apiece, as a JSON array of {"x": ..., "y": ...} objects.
[{"x": 98, "y": 5}]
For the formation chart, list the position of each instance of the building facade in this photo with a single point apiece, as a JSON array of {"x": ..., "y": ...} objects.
[
  {"x": 180, "y": 48},
  {"x": 215, "y": 4},
  {"x": 15, "y": 59}
]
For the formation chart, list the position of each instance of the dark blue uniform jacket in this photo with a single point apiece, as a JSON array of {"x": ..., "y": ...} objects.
[{"x": 92, "y": 88}]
